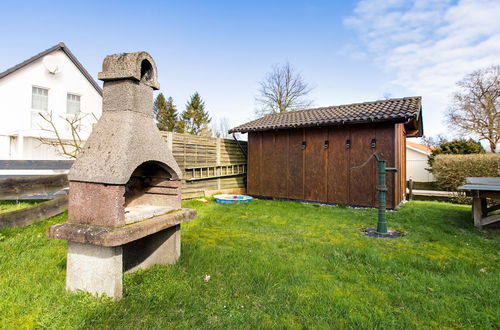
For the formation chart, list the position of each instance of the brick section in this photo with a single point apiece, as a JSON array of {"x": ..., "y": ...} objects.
[
  {"x": 392, "y": 110},
  {"x": 96, "y": 204}
]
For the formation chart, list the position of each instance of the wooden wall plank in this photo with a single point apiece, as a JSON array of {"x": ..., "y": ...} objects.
[
  {"x": 315, "y": 165},
  {"x": 22, "y": 186},
  {"x": 400, "y": 147},
  {"x": 29, "y": 215},
  {"x": 270, "y": 173},
  {"x": 362, "y": 181},
  {"x": 280, "y": 152},
  {"x": 254, "y": 159},
  {"x": 338, "y": 165},
  {"x": 295, "y": 168},
  {"x": 385, "y": 135}
]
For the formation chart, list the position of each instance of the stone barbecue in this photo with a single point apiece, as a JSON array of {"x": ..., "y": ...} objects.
[{"x": 125, "y": 186}]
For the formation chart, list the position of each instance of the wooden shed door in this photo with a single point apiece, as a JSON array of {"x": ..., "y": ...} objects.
[{"x": 315, "y": 165}]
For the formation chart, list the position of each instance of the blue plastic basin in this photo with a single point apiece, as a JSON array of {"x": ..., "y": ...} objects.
[{"x": 229, "y": 199}]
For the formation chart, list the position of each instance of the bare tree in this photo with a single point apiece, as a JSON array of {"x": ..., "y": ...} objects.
[
  {"x": 283, "y": 89},
  {"x": 69, "y": 147},
  {"x": 433, "y": 142},
  {"x": 387, "y": 96},
  {"x": 475, "y": 108},
  {"x": 220, "y": 127}
]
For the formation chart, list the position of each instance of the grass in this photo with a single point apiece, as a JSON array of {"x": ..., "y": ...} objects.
[
  {"x": 275, "y": 264},
  {"x": 13, "y": 205}
]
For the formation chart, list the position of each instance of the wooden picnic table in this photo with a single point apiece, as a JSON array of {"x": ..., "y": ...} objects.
[{"x": 481, "y": 188}]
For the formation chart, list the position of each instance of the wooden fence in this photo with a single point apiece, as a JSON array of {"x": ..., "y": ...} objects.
[{"x": 209, "y": 164}]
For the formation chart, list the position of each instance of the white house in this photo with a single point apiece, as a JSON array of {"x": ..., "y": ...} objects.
[
  {"x": 416, "y": 162},
  {"x": 53, "y": 83}
]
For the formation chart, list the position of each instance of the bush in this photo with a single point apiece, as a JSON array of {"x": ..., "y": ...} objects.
[
  {"x": 456, "y": 147},
  {"x": 450, "y": 171}
]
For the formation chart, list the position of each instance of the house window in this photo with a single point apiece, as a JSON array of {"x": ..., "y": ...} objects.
[
  {"x": 39, "y": 98},
  {"x": 73, "y": 104}
]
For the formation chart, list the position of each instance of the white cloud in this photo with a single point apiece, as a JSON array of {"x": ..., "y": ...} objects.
[
  {"x": 352, "y": 52},
  {"x": 428, "y": 45}
]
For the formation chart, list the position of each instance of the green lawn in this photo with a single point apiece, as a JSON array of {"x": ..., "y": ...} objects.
[
  {"x": 275, "y": 264},
  {"x": 8, "y": 206}
]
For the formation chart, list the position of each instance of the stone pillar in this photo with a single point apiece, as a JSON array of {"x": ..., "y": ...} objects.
[{"x": 95, "y": 269}]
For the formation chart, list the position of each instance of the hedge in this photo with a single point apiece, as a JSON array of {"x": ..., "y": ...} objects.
[{"x": 450, "y": 171}]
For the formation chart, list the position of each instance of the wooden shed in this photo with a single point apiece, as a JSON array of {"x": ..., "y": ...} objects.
[{"x": 310, "y": 154}]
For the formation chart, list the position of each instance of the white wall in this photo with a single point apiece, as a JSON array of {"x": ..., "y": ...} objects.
[
  {"x": 15, "y": 105},
  {"x": 416, "y": 164},
  {"x": 5, "y": 147}
]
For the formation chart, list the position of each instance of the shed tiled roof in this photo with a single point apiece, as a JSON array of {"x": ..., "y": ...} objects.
[{"x": 392, "y": 110}]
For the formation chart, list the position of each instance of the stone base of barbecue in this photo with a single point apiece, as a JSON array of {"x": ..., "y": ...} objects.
[
  {"x": 162, "y": 248},
  {"x": 98, "y": 256},
  {"x": 95, "y": 269},
  {"x": 99, "y": 269}
]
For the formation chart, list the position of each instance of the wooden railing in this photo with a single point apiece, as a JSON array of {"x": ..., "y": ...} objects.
[{"x": 215, "y": 172}]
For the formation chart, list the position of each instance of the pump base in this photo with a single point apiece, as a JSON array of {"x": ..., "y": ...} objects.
[{"x": 372, "y": 232}]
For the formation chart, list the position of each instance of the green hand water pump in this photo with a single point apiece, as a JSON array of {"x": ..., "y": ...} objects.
[{"x": 382, "y": 190}]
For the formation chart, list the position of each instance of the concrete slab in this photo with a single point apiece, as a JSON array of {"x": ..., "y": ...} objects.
[
  {"x": 142, "y": 212},
  {"x": 107, "y": 236}
]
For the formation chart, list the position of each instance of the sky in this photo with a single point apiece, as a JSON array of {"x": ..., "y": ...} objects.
[{"x": 349, "y": 51}]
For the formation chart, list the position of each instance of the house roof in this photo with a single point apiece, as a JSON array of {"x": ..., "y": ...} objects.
[
  {"x": 59, "y": 46},
  {"x": 403, "y": 110},
  {"x": 419, "y": 147}
]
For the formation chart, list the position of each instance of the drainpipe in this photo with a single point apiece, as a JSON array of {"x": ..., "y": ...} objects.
[{"x": 239, "y": 145}]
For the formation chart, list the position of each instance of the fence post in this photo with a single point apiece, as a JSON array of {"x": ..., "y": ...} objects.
[
  {"x": 169, "y": 136},
  {"x": 218, "y": 145},
  {"x": 410, "y": 189}
]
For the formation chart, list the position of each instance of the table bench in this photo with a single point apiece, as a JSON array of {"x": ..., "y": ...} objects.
[{"x": 481, "y": 188}]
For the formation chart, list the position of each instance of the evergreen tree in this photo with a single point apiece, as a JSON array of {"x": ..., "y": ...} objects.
[
  {"x": 181, "y": 126},
  {"x": 165, "y": 113},
  {"x": 195, "y": 116}
]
